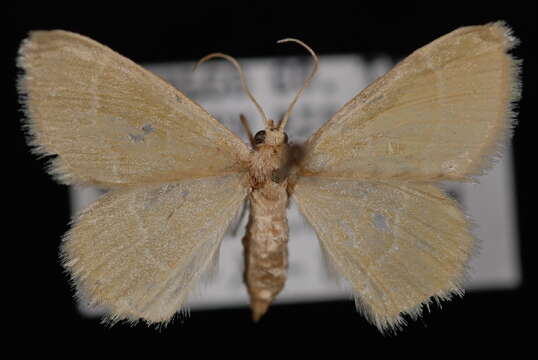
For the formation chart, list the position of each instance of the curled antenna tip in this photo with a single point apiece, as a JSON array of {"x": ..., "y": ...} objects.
[
  {"x": 207, "y": 57},
  {"x": 288, "y": 40},
  {"x": 241, "y": 76}
]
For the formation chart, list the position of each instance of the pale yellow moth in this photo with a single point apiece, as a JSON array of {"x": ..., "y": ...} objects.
[{"x": 365, "y": 181}]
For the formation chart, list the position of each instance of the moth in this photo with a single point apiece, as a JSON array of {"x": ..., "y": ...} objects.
[{"x": 366, "y": 181}]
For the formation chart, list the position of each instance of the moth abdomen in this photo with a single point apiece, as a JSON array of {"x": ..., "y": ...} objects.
[{"x": 266, "y": 246}]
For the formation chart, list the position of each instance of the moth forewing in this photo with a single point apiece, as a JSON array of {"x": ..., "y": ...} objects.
[
  {"x": 440, "y": 114},
  {"x": 113, "y": 123}
]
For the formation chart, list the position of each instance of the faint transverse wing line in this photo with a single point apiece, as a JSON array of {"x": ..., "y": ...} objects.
[
  {"x": 443, "y": 113},
  {"x": 110, "y": 122},
  {"x": 139, "y": 252},
  {"x": 399, "y": 245}
]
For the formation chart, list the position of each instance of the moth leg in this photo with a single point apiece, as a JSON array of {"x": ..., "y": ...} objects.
[{"x": 247, "y": 129}]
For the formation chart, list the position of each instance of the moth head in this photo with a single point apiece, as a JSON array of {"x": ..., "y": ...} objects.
[
  {"x": 275, "y": 135},
  {"x": 270, "y": 136}
]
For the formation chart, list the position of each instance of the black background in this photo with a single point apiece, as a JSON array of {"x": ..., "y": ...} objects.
[{"x": 153, "y": 32}]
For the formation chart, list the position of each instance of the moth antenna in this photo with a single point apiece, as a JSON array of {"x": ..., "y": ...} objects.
[
  {"x": 241, "y": 75},
  {"x": 306, "y": 82}
]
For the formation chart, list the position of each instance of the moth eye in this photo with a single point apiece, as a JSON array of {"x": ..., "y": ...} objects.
[
  {"x": 259, "y": 138},
  {"x": 285, "y": 138}
]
